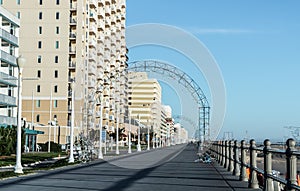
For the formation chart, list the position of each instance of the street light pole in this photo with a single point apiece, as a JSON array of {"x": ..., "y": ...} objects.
[
  {"x": 71, "y": 158},
  {"x": 117, "y": 132},
  {"x": 50, "y": 119},
  {"x": 18, "y": 168},
  {"x": 100, "y": 156},
  {"x": 148, "y": 140},
  {"x": 139, "y": 138},
  {"x": 129, "y": 134}
]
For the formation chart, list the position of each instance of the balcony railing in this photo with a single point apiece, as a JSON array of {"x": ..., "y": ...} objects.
[
  {"x": 6, "y": 100},
  {"x": 7, "y": 79},
  {"x": 8, "y": 120},
  {"x": 9, "y": 59},
  {"x": 233, "y": 156},
  {"x": 9, "y": 37}
]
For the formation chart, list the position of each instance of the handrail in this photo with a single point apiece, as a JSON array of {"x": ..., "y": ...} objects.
[{"x": 233, "y": 156}]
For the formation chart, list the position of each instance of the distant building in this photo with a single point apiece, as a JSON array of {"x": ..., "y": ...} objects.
[{"x": 181, "y": 134}]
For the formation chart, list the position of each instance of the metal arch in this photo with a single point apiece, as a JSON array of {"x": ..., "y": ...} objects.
[{"x": 186, "y": 81}]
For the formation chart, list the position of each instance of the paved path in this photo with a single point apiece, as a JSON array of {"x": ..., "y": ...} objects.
[{"x": 171, "y": 168}]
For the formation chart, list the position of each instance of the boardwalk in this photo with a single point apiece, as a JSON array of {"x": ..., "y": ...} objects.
[{"x": 175, "y": 169}]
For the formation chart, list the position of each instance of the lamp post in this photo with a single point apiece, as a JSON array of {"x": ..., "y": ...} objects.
[
  {"x": 139, "y": 138},
  {"x": 148, "y": 140},
  {"x": 71, "y": 158},
  {"x": 129, "y": 134},
  {"x": 21, "y": 62},
  {"x": 50, "y": 119},
  {"x": 100, "y": 156},
  {"x": 117, "y": 132}
]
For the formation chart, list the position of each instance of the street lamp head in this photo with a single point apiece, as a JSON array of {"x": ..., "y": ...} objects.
[{"x": 21, "y": 61}]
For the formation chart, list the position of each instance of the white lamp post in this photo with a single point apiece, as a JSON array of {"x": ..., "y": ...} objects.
[
  {"x": 117, "y": 132},
  {"x": 18, "y": 168},
  {"x": 139, "y": 138},
  {"x": 129, "y": 134},
  {"x": 148, "y": 140},
  {"x": 71, "y": 158},
  {"x": 100, "y": 156}
]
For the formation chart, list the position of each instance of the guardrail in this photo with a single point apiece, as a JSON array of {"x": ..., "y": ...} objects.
[{"x": 233, "y": 156}]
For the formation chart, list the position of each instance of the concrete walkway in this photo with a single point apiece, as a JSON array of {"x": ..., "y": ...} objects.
[{"x": 172, "y": 168}]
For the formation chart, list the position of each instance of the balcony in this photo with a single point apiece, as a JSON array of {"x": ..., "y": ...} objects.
[
  {"x": 7, "y": 80},
  {"x": 99, "y": 75},
  {"x": 90, "y": 112},
  {"x": 91, "y": 124},
  {"x": 73, "y": 21},
  {"x": 72, "y": 50},
  {"x": 105, "y": 116},
  {"x": 92, "y": 68},
  {"x": 93, "y": 42},
  {"x": 99, "y": 89},
  {"x": 112, "y": 107},
  {"x": 93, "y": 3},
  {"x": 7, "y": 101},
  {"x": 93, "y": 16},
  {"x": 73, "y": 6},
  {"x": 98, "y": 114},
  {"x": 107, "y": 10},
  {"x": 72, "y": 64},
  {"x": 106, "y": 92},
  {"x": 8, "y": 120},
  {"x": 91, "y": 83},
  {"x": 6, "y": 36},
  {"x": 106, "y": 104},
  {"x": 8, "y": 59},
  {"x": 72, "y": 36}
]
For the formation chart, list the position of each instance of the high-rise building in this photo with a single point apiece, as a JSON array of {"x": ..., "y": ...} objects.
[
  {"x": 80, "y": 42},
  {"x": 144, "y": 101},
  {"x": 9, "y": 31}
]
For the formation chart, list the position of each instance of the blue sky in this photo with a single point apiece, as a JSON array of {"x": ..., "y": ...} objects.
[{"x": 257, "y": 47}]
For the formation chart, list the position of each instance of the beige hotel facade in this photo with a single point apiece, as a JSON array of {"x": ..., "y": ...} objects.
[{"x": 65, "y": 42}]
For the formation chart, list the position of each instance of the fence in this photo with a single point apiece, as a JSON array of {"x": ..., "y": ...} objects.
[{"x": 234, "y": 155}]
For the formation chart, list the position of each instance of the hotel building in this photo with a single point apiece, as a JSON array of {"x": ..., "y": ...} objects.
[{"x": 79, "y": 42}]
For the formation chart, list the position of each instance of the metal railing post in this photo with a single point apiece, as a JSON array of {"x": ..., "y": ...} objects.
[
  {"x": 226, "y": 154},
  {"x": 291, "y": 164},
  {"x": 253, "y": 183},
  {"x": 219, "y": 151},
  {"x": 222, "y": 153},
  {"x": 236, "y": 169},
  {"x": 230, "y": 149},
  {"x": 268, "y": 182},
  {"x": 243, "y": 174}
]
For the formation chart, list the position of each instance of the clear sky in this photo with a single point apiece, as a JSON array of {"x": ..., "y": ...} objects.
[{"x": 257, "y": 47}]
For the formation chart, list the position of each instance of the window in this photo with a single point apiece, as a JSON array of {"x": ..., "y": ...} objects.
[
  {"x": 55, "y": 105},
  {"x": 41, "y": 2},
  {"x": 56, "y": 74},
  {"x": 39, "y": 59},
  {"x": 18, "y": 14},
  {"x": 57, "y": 2},
  {"x": 57, "y": 44},
  {"x": 57, "y": 15},
  {"x": 40, "y": 30},
  {"x": 55, "y": 89},
  {"x": 40, "y": 15},
  {"x": 57, "y": 30},
  {"x": 40, "y": 44},
  {"x": 56, "y": 59},
  {"x": 38, "y": 73},
  {"x": 38, "y": 103},
  {"x": 37, "y": 118},
  {"x": 18, "y": 2},
  {"x": 38, "y": 88},
  {"x": 1, "y": 2}
]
